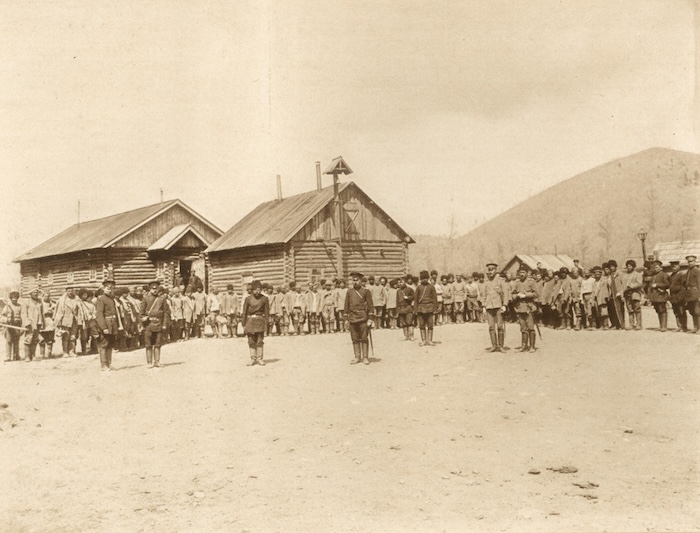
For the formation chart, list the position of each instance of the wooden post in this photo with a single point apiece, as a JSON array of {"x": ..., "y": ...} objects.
[{"x": 339, "y": 218}]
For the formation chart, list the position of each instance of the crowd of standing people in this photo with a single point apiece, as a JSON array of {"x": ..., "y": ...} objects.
[{"x": 86, "y": 322}]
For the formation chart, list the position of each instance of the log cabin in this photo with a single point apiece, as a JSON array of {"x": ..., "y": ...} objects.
[
  {"x": 164, "y": 241},
  {"x": 297, "y": 239}
]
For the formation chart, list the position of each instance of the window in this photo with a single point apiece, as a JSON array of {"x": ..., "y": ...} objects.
[
  {"x": 160, "y": 268},
  {"x": 69, "y": 277},
  {"x": 93, "y": 273},
  {"x": 315, "y": 275},
  {"x": 49, "y": 277}
]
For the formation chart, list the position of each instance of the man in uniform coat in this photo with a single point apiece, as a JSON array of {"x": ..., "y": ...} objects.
[
  {"x": 255, "y": 317},
  {"x": 496, "y": 299},
  {"x": 155, "y": 314},
  {"x": 425, "y": 304},
  {"x": 524, "y": 298},
  {"x": 404, "y": 308},
  {"x": 676, "y": 289},
  {"x": 359, "y": 310},
  {"x": 659, "y": 282},
  {"x": 108, "y": 323},
  {"x": 691, "y": 290}
]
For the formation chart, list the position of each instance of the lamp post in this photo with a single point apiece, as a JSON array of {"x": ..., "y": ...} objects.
[{"x": 643, "y": 237}]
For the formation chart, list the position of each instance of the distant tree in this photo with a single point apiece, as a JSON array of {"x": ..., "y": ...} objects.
[
  {"x": 583, "y": 247},
  {"x": 605, "y": 231}
]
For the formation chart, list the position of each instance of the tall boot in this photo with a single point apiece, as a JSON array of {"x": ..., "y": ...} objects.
[
  {"x": 149, "y": 356},
  {"x": 494, "y": 343},
  {"x": 42, "y": 351},
  {"x": 638, "y": 314},
  {"x": 577, "y": 324},
  {"x": 109, "y": 358},
  {"x": 103, "y": 358},
  {"x": 422, "y": 337},
  {"x": 65, "y": 345},
  {"x": 501, "y": 338},
  {"x": 633, "y": 317},
  {"x": 663, "y": 321},
  {"x": 533, "y": 337},
  {"x": 365, "y": 352},
  {"x": 8, "y": 351},
  {"x": 32, "y": 350},
  {"x": 525, "y": 343},
  {"x": 259, "y": 352},
  {"x": 253, "y": 356},
  {"x": 27, "y": 353},
  {"x": 156, "y": 356},
  {"x": 410, "y": 333},
  {"x": 429, "y": 338},
  {"x": 358, "y": 353},
  {"x": 405, "y": 334}
]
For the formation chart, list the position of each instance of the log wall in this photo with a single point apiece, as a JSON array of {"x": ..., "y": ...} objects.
[
  {"x": 265, "y": 263},
  {"x": 54, "y": 274}
]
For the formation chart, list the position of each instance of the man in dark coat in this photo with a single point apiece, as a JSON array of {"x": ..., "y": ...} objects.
[
  {"x": 359, "y": 310},
  {"x": 155, "y": 315},
  {"x": 426, "y": 304},
  {"x": 496, "y": 297},
  {"x": 404, "y": 308},
  {"x": 108, "y": 323},
  {"x": 676, "y": 289},
  {"x": 691, "y": 290},
  {"x": 255, "y": 318},
  {"x": 657, "y": 293}
]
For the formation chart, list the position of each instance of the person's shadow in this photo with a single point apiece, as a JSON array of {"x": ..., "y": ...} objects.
[
  {"x": 271, "y": 361},
  {"x": 375, "y": 360}
]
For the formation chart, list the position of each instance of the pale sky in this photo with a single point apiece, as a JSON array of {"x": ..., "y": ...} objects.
[{"x": 439, "y": 107}]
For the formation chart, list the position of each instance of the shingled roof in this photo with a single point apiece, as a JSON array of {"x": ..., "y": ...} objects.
[
  {"x": 102, "y": 232},
  {"x": 276, "y": 222}
]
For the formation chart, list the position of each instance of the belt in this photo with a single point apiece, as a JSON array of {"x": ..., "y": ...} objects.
[
  {"x": 257, "y": 314},
  {"x": 110, "y": 316}
]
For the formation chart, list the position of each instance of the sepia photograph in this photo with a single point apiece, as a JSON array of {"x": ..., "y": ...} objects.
[{"x": 389, "y": 266}]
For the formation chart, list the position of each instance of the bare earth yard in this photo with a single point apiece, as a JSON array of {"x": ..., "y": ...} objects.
[{"x": 423, "y": 439}]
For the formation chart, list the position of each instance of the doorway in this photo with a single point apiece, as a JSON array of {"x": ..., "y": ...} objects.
[{"x": 185, "y": 272}]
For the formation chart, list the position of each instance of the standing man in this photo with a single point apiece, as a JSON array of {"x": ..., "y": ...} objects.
[
  {"x": 12, "y": 316},
  {"x": 657, "y": 291},
  {"x": 155, "y": 315},
  {"x": 617, "y": 303},
  {"x": 495, "y": 301},
  {"x": 107, "y": 321},
  {"x": 379, "y": 299},
  {"x": 632, "y": 283},
  {"x": 328, "y": 308},
  {"x": 32, "y": 321},
  {"x": 601, "y": 298},
  {"x": 177, "y": 314},
  {"x": 69, "y": 319},
  {"x": 425, "y": 303},
  {"x": 359, "y": 310},
  {"x": 676, "y": 296},
  {"x": 459, "y": 294},
  {"x": 255, "y": 317},
  {"x": 691, "y": 290},
  {"x": 524, "y": 298},
  {"x": 404, "y": 308}
]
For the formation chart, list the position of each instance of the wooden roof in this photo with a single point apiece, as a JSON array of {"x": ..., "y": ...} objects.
[
  {"x": 676, "y": 251},
  {"x": 103, "y": 232},
  {"x": 276, "y": 222},
  {"x": 549, "y": 261}
]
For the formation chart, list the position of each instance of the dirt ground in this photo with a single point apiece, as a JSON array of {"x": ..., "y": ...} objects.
[{"x": 423, "y": 439}]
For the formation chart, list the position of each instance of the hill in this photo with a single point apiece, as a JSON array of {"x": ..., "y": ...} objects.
[{"x": 593, "y": 216}]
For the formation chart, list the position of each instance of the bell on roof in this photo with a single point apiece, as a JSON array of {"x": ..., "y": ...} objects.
[{"x": 338, "y": 166}]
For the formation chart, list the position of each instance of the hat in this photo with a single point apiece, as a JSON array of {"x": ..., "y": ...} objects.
[
  {"x": 424, "y": 274},
  {"x": 631, "y": 262},
  {"x": 229, "y": 287},
  {"x": 674, "y": 263},
  {"x": 596, "y": 268},
  {"x": 605, "y": 265},
  {"x": 14, "y": 294},
  {"x": 108, "y": 282},
  {"x": 256, "y": 284},
  {"x": 371, "y": 277},
  {"x": 357, "y": 275},
  {"x": 433, "y": 272},
  {"x": 292, "y": 284},
  {"x": 524, "y": 268},
  {"x": 153, "y": 282},
  {"x": 657, "y": 262},
  {"x": 35, "y": 289},
  {"x": 612, "y": 263},
  {"x": 494, "y": 265},
  {"x": 693, "y": 257}
]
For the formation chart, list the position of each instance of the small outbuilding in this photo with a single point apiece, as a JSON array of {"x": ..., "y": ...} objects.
[
  {"x": 165, "y": 240},
  {"x": 547, "y": 261},
  {"x": 298, "y": 239},
  {"x": 676, "y": 251}
]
